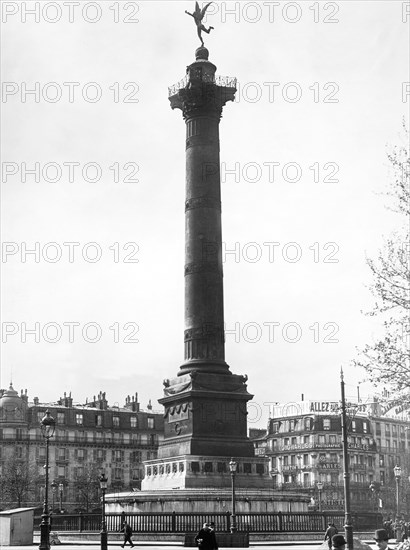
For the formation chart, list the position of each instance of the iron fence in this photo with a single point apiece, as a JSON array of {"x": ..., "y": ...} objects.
[{"x": 180, "y": 522}]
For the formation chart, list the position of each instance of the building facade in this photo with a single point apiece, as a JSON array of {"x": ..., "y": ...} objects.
[
  {"x": 89, "y": 438},
  {"x": 304, "y": 445}
]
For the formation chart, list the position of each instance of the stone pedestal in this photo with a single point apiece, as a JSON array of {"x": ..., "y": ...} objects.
[
  {"x": 203, "y": 472},
  {"x": 205, "y": 414},
  {"x": 210, "y": 499}
]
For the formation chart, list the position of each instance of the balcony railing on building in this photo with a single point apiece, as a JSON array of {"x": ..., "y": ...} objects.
[{"x": 32, "y": 437}]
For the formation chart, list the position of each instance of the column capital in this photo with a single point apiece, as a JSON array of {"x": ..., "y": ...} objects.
[{"x": 200, "y": 92}]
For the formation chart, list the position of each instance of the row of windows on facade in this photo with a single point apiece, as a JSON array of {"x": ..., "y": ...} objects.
[
  {"x": 307, "y": 480},
  {"x": 131, "y": 420},
  {"x": 401, "y": 445},
  {"x": 308, "y": 424},
  {"x": 97, "y": 455},
  {"x": 392, "y": 429},
  {"x": 321, "y": 439},
  {"x": 113, "y": 474},
  {"x": 308, "y": 460},
  {"x": 335, "y": 439},
  {"x": 76, "y": 473},
  {"x": 73, "y": 474},
  {"x": 359, "y": 425},
  {"x": 82, "y": 435},
  {"x": 389, "y": 461},
  {"x": 332, "y": 479}
]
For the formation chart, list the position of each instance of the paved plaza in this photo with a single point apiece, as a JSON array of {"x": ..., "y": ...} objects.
[
  {"x": 93, "y": 545},
  {"x": 157, "y": 545}
]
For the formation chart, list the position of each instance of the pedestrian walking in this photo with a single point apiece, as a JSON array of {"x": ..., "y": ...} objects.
[
  {"x": 390, "y": 530},
  {"x": 381, "y": 536},
  {"x": 126, "y": 528},
  {"x": 330, "y": 532},
  {"x": 206, "y": 539},
  {"x": 212, "y": 527}
]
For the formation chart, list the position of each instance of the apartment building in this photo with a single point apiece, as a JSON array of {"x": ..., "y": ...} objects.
[
  {"x": 89, "y": 438},
  {"x": 304, "y": 444}
]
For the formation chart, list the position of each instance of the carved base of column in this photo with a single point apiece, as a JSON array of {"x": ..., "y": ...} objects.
[
  {"x": 199, "y": 471},
  {"x": 205, "y": 414},
  {"x": 205, "y": 366}
]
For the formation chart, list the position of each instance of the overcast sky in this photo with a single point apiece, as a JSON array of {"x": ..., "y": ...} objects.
[{"x": 321, "y": 93}]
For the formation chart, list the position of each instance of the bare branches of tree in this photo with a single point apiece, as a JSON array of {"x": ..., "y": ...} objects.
[{"x": 387, "y": 360}]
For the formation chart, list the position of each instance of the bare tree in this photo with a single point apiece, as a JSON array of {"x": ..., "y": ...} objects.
[
  {"x": 18, "y": 481},
  {"x": 387, "y": 360},
  {"x": 399, "y": 189},
  {"x": 87, "y": 486}
]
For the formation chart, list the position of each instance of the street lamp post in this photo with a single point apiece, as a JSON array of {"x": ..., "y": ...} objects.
[
  {"x": 372, "y": 487},
  {"x": 375, "y": 488},
  {"x": 272, "y": 475},
  {"x": 397, "y": 475},
  {"x": 319, "y": 486},
  {"x": 408, "y": 497},
  {"x": 54, "y": 489},
  {"x": 233, "y": 468},
  {"x": 346, "y": 474},
  {"x": 47, "y": 425},
  {"x": 103, "y": 533},
  {"x": 61, "y": 490}
]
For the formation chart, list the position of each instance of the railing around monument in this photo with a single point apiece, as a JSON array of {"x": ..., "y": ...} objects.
[
  {"x": 180, "y": 522},
  {"x": 178, "y": 86},
  {"x": 226, "y": 81},
  {"x": 223, "y": 81}
]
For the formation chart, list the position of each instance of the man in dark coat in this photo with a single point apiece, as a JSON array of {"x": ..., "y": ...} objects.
[
  {"x": 126, "y": 527},
  {"x": 338, "y": 542},
  {"x": 381, "y": 537},
  {"x": 206, "y": 539},
  {"x": 330, "y": 531}
]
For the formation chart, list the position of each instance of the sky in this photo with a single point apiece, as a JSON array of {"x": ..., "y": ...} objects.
[{"x": 93, "y": 183}]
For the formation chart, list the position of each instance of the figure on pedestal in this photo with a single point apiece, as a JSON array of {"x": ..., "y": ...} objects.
[{"x": 198, "y": 15}]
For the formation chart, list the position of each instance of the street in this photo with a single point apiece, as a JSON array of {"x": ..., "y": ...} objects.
[{"x": 155, "y": 545}]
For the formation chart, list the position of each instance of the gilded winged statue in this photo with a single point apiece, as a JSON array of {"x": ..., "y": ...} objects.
[{"x": 198, "y": 15}]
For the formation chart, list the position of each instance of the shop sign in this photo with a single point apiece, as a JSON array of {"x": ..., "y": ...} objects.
[
  {"x": 324, "y": 406},
  {"x": 329, "y": 466}
]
